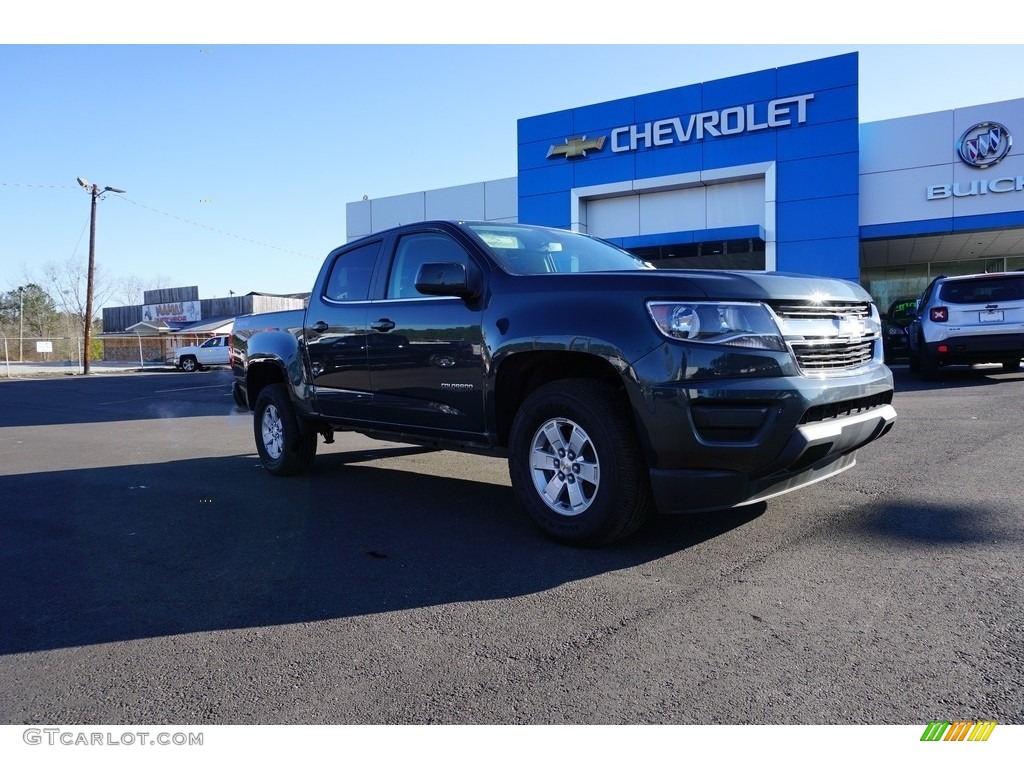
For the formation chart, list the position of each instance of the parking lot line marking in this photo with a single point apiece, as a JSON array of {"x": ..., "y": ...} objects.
[
  {"x": 185, "y": 389},
  {"x": 160, "y": 392}
]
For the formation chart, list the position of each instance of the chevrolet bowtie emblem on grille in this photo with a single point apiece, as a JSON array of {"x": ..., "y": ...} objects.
[{"x": 576, "y": 147}]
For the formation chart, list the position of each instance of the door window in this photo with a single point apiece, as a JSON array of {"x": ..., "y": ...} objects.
[
  {"x": 350, "y": 274},
  {"x": 413, "y": 252}
]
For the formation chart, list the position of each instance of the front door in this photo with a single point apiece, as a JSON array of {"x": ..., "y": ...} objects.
[{"x": 425, "y": 352}]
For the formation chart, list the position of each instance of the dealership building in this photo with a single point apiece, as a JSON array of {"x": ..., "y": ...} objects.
[{"x": 770, "y": 170}]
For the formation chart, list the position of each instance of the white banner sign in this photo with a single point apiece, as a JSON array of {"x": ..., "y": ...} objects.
[{"x": 172, "y": 312}]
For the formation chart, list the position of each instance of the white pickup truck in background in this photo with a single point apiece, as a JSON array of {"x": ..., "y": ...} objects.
[{"x": 214, "y": 351}]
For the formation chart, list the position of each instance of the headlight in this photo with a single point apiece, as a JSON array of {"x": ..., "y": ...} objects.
[
  {"x": 895, "y": 330},
  {"x": 733, "y": 324}
]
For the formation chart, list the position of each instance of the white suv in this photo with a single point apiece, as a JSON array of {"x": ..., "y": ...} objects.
[{"x": 969, "y": 319}]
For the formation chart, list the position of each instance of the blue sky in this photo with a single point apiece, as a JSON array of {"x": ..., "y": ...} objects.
[{"x": 238, "y": 159}]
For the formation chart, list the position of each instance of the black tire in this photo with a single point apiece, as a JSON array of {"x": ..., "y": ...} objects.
[
  {"x": 914, "y": 363},
  {"x": 1011, "y": 366},
  {"x": 929, "y": 368},
  {"x": 189, "y": 364},
  {"x": 283, "y": 447},
  {"x": 600, "y": 499},
  {"x": 925, "y": 367}
]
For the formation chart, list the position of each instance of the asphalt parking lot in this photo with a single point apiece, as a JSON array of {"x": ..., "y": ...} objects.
[{"x": 152, "y": 571}]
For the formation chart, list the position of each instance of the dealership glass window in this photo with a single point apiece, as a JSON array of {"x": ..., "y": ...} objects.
[
  {"x": 747, "y": 253},
  {"x": 968, "y": 267},
  {"x": 888, "y": 284}
]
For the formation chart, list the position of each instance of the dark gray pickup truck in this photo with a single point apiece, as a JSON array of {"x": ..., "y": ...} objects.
[{"x": 614, "y": 389}]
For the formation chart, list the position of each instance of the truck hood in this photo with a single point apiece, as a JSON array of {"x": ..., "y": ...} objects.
[
  {"x": 720, "y": 285},
  {"x": 773, "y": 285}
]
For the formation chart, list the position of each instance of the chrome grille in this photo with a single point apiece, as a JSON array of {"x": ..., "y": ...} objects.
[
  {"x": 815, "y": 332},
  {"x": 832, "y": 309},
  {"x": 835, "y": 356}
]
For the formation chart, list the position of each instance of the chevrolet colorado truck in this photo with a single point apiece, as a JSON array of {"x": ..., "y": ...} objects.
[{"x": 614, "y": 390}]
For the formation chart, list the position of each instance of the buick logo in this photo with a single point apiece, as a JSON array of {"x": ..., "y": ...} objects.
[{"x": 984, "y": 144}]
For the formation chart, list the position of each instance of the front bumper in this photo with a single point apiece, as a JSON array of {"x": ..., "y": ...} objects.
[
  {"x": 813, "y": 453},
  {"x": 725, "y": 443}
]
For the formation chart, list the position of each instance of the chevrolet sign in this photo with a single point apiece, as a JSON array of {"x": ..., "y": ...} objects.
[
  {"x": 731, "y": 121},
  {"x": 721, "y": 122}
]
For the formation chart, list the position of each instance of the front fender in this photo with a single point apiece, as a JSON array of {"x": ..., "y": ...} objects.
[{"x": 587, "y": 345}]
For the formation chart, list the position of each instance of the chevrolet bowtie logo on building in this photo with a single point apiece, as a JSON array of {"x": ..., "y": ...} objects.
[
  {"x": 576, "y": 147},
  {"x": 984, "y": 144}
]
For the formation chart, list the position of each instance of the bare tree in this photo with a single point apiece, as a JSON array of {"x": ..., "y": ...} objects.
[
  {"x": 132, "y": 289},
  {"x": 67, "y": 284}
]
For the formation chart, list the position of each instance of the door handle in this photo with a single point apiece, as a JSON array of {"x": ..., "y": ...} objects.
[
  {"x": 384, "y": 325},
  {"x": 319, "y": 326}
]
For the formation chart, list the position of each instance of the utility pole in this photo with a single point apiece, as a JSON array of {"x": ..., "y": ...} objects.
[
  {"x": 95, "y": 192},
  {"x": 21, "y": 323}
]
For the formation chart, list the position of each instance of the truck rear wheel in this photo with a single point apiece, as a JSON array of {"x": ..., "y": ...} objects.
[
  {"x": 576, "y": 465},
  {"x": 283, "y": 447}
]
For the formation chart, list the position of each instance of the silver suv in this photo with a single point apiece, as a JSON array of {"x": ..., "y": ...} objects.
[{"x": 969, "y": 319}]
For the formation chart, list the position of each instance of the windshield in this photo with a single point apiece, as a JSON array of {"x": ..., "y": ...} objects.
[
  {"x": 902, "y": 311},
  {"x": 526, "y": 250}
]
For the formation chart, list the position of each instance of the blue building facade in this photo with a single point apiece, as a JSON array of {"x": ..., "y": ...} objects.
[{"x": 786, "y": 141}]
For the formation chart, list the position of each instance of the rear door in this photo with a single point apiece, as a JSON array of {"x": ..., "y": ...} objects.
[{"x": 335, "y": 333}]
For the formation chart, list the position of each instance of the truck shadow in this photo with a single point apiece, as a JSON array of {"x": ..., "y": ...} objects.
[{"x": 120, "y": 553}]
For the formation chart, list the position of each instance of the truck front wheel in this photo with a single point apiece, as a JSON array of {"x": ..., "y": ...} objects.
[
  {"x": 283, "y": 447},
  {"x": 189, "y": 364},
  {"x": 576, "y": 466}
]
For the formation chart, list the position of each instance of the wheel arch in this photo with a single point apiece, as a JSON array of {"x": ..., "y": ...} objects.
[
  {"x": 259, "y": 375},
  {"x": 522, "y": 373}
]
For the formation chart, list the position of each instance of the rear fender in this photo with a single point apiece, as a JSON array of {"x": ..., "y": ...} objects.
[{"x": 274, "y": 356}]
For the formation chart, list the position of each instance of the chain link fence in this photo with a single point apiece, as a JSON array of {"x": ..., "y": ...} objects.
[{"x": 49, "y": 349}]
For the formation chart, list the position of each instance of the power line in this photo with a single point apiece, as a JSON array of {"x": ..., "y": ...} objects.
[
  {"x": 211, "y": 229},
  {"x": 169, "y": 215},
  {"x": 40, "y": 186}
]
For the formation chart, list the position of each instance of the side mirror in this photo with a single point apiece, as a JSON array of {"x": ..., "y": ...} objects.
[{"x": 447, "y": 279}]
